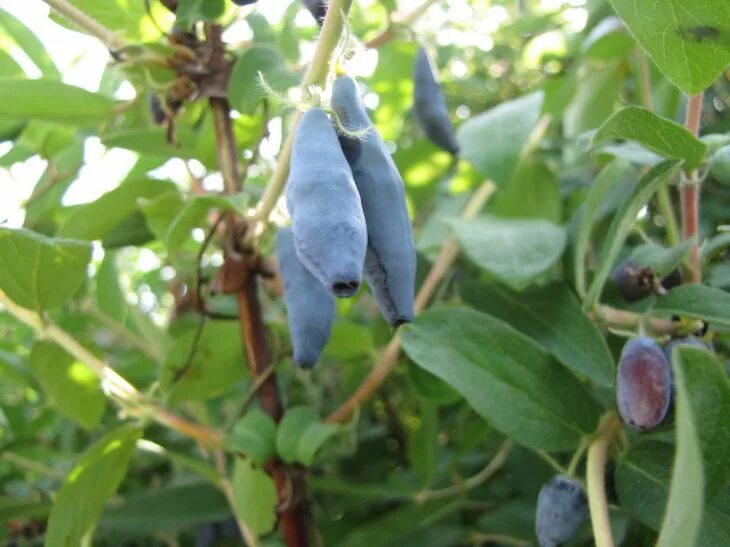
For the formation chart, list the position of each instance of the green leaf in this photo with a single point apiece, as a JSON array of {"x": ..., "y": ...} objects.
[
  {"x": 697, "y": 301},
  {"x": 431, "y": 387},
  {"x": 244, "y": 89},
  {"x": 161, "y": 211},
  {"x": 684, "y": 508},
  {"x": 169, "y": 508},
  {"x": 9, "y": 69},
  {"x": 349, "y": 340},
  {"x": 12, "y": 508},
  {"x": 552, "y": 316},
  {"x": 301, "y": 433},
  {"x": 205, "y": 366},
  {"x": 132, "y": 230},
  {"x": 493, "y": 140},
  {"x": 606, "y": 41},
  {"x": 52, "y": 101},
  {"x": 623, "y": 220},
  {"x": 707, "y": 386},
  {"x": 689, "y": 40},
  {"x": 193, "y": 214},
  {"x": 254, "y": 435},
  {"x": 154, "y": 142},
  {"x": 90, "y": 483},
  {"x": 516, "y": 252},
  {"x": 642, "y": 484},
  {"x": 254, "y": 493},
  {"x": 605, "y": 179},
  {"x": 595, "y": 99},
  {"x": 72, "y": 386},
  {"x": 533, "y": 192},
  {"x": 507, "y": 378},
  {"x": 390, "y": 529},
  {"x": 96, "y": 219},
  {"x": 39, "y": 272},
  {"x": 662, "y": 136},
  {"x": 14, "y": 369},
  {"x": 661, "y": 260},
  {"x": 124, "y": 17},
  {"x": 190, "y": 11},
  {"x": 29, "y": 43},
  {"x": 714, "y": 246}
]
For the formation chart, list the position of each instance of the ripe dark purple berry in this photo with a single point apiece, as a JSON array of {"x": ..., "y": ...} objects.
[
  {"x": 243, "y": 2},
  {"x": 310, "y": 306},
  {"x": 561, "y": 509},
  {"x": 390, "y": 263},
  {"x": 636, "y": 283},
  {"x": 429, "y": 105},
  {"x": 643, "y": 384},
  {"x": 327, "y": 218}
]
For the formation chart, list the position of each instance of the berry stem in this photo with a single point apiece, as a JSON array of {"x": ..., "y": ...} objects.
[
  {"x": 595, "y": 474},
  {"x": 690, "y": 191},
  {"x": 577, "y": 455},
  {"x": 481, "y": 477},
  {"x": 316, "y": 75}
]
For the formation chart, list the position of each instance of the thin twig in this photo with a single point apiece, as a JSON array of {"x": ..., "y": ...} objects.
[
  {"x": 577, "y": 456},
  {"x": 483, "y": 476},
  {"x": 645, "y": 76},
  {"x": 613, "y": 317},
  {"x": 389, "y": 357},
  {"x": 552, "y": 462},
  {"x": 115, "y": 386},
  {"x": 89, "y": 24},
  {"x": 31, "y": 465},
  {"x": 595, "y": 472},
  {"x": 690, "y": 192},
  {"x": 259, "y": 380},
  {"x": 227, "y": 159},
  {"x": 389, "y": 33}
]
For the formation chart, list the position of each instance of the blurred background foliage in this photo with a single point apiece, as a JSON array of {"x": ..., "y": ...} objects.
[{"x": 96, "y": 167}]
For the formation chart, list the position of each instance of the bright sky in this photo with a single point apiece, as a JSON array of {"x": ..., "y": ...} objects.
[{"x": 82, "y": 59}]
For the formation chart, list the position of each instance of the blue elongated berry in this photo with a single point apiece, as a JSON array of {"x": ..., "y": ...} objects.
[
  {"x": 309, "y": 305},
  {"x": 643, "y": 384},
  {"x": 429, "y": 105},
  {"x": 390, "y": 262},
  {"x": 330, "y": 235},
  {"x": 561, "y": 509}
]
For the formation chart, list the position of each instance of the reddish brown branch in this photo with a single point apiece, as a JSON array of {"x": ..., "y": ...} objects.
[
  {"x": 690, "y": 192},
  {"x": 239, "y": 274},
  {"x": 253, "y": 333}
]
